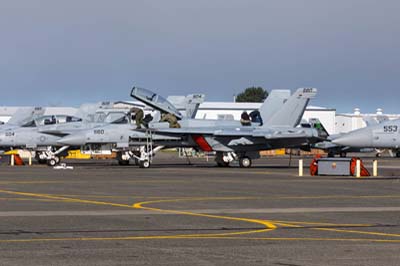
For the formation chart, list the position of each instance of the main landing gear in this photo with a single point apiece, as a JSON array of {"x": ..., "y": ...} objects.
[
  {"x": 224, "y": 159},
  {"x": 142, "y": 157},
  {"x": 245, "y": 162},
  {"x": 51, "y": 156},
  {"x": 53, "y": 161}
]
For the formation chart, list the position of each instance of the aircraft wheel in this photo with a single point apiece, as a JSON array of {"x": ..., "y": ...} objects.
[
  {"x": 245, "y": 162},
  {"x": 398, "y": 154},
  {"x": 144, "y": 164},
  {"x": 331, "y": 154},
  {"x": 57, "y": 159},
  {"x": 123, "y": 162},
  {"x": 52, "y": 162},
  {"x": 343, "y": 154},
  {"x": 378, "y": 155}
]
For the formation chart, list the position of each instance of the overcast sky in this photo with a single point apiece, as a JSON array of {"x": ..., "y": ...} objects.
[{"x": 69, "y": 52}]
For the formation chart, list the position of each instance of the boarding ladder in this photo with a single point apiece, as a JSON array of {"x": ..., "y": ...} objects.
[{"x": 149, "y": 144}]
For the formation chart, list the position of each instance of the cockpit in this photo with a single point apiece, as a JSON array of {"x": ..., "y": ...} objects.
[
  {"x": 56, "y": 119},
  {"x": 154, "y": 100},
  {"x": 112, "y": 117},
  {"x": 52, "y": 120}
]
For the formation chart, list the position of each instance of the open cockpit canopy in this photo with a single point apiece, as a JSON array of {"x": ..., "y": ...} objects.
[{"x": 154, "y": 100}]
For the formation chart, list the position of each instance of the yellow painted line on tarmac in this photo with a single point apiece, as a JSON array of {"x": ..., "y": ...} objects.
[
  {"x": 268, "y": 225},
  {"x": 293, "y": 223},
  {"x": 299, "y": 225},
  {"x": 64, "y": 198}
]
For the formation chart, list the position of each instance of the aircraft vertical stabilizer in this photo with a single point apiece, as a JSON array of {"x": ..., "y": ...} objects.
[
  {"x": 273, "y": 103},
  {"x": 25, "y": 114},
  {"x": 188, "y": 104},
  {"x": 292, "y": 110}
]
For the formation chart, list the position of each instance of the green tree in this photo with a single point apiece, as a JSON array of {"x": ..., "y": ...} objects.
[{"x": 252, "y": 94}]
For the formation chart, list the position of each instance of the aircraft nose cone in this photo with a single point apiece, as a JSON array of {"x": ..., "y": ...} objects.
[
  {"x": 360, "y": 138},
  {"x": 73, "y": 140}
]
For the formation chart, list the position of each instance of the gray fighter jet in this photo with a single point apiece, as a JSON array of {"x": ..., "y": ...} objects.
[
  {"x": 41, "y": 134},
  {"x": 385, "y": 135},
  {"x": 231, "y": 140},
  {"x": 239, "y": 142}
]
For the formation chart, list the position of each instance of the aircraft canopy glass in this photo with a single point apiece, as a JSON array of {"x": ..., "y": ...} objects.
[
  {"x": 56, "y": 119},
  {"x": 114, "y": 118},
  {"x": 154, "y": 100}
]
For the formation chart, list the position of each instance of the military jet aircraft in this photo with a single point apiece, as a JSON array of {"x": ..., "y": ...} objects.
[
  {"x": 234, "y": 142},
  {"x": 385, "y": 135},
  {"x": 229, "y": 139},
  {"x": 19, "y": 118},
  {"x": 125, "y": 139},
  {"x": 141, "y": 145},
  {"x": 41, "y": 134}
]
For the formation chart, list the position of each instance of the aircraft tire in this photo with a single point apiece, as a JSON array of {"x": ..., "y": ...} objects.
[
  {"x": 398, "y": 154},
  {"x": 245, "y": 162},
  {"x": 343, "y": 155},
  {"x": 144, "y": 164},
  {"x": 57, "y": 159},
  {"x": 51, "y": 162}
]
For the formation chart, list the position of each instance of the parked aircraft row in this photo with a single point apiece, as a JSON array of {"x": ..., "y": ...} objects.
[{"x": 134, "y": 136}]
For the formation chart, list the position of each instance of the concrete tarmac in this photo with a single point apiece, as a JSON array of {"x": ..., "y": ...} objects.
[{"x": 100, "y": 213}]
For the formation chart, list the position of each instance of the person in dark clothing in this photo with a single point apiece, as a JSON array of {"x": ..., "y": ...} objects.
[
  {"x": 245, "y": 119},
  {"x": 255, "y": 117}
]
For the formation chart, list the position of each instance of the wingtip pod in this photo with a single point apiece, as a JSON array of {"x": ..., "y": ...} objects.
[{"x": 307, "y": 93}]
